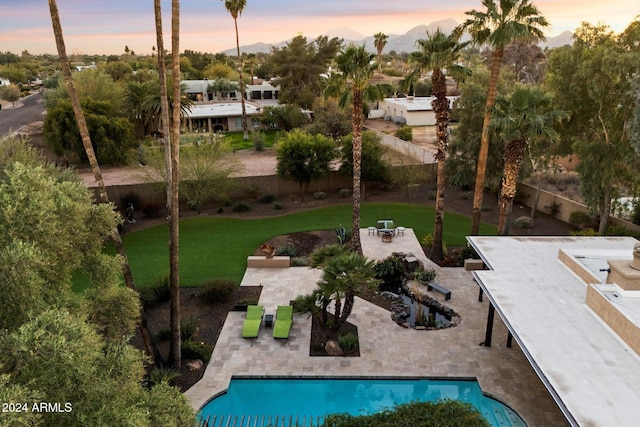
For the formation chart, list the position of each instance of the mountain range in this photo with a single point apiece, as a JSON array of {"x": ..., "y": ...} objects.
[{"x": 399, "y": 42}]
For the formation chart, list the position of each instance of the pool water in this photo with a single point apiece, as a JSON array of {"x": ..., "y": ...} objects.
[{"x": 317, "y": 397}]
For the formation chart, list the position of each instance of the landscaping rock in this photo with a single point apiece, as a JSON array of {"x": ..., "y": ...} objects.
[
  {"x": 333, "y": 348},
  {"x": 195, "y": 365}
]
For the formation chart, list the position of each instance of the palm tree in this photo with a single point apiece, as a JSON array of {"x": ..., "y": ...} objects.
[
  {"x": 380, "y": 41},
  {"x": 344, "y": 277},
  {"x": 502, "y": 23},
  {"x": 147, "y": 338},
  {"x": 356, "y": 67},
  {"x": 235, "y": 8},
  {"x": 519, "y": 118},
  {"x": 175, "y": 358},
  {"x": 437, "y": 52}
]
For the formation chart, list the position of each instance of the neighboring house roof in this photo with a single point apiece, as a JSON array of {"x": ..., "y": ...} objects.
[
  {"x": 419, "y": 103},
  {"x": 226, "y": 109},
  {"x": 196, "y": 86}
]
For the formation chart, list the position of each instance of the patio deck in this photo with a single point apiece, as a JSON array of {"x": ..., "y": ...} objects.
[{"x": 386, "y": 349}]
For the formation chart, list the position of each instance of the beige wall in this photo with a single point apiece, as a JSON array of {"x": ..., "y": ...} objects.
[{"x": 526, "y": 195}]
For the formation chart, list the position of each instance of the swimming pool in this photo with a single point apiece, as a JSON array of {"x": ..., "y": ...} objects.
[{"x": 317, "y": 397}]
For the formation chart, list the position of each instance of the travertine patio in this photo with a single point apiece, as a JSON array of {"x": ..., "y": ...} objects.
[{"x": 386, "y": 349}]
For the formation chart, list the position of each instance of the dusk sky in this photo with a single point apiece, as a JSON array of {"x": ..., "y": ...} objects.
[{"x": 107, "y": 26}]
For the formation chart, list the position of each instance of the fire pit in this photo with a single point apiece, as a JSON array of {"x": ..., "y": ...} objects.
[{"x": 387, "y": 236}]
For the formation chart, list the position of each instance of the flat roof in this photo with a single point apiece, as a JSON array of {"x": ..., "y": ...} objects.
[
  {"x": 221, "y": 109},
  {"x": 418, "y": 103},
  {"x": 590, "y": 372}
]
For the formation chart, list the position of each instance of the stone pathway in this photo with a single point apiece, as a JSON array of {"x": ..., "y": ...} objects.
[{"x": 386, "y": 349}]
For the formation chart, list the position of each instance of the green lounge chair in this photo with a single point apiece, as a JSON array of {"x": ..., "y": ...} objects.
[
  {"x": 253, "y": 321},
  {"x": 284, "y": 319}
]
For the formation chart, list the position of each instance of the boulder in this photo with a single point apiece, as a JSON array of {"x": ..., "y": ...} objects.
[
  {"x": 333, "y": 348},
  {"x": 195, "y": 365}
]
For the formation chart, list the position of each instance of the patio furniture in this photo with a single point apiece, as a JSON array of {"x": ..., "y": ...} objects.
[
  {"x": 385, "y": 225},
  {"x": 268, "y": 320},
  {"x": 400, "y": 231},
  {"x": 252, "y": 322},
  {"x": 371, "y": 231},
  {"x": 433, "y": 286},
  {"x": 284, "y": 319}
]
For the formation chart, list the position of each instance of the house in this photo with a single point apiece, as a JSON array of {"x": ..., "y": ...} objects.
[
  {"x": 264, "y": 94},
  {"x": 417, "y": 111},
  {"x": 5, "y": 82},
  {"x": 198, "y": 91},
  {"x": 221, "y": 116}
]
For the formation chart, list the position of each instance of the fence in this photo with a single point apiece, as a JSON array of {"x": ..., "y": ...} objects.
[{"x": 417, "y": 152}]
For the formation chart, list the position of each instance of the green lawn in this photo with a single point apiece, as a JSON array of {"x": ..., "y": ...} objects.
[{"x": 217, "y": 247}]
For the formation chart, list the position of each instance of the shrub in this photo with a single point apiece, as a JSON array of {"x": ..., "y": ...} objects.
[
  {"x": 300, "y": 262},
  {"x": 344, "y": 193},
  {"x": 163, "y": 374},
  {"x": 319, "y": 195},
  {"x": 217, "y": 291},
  {"x": 523, "y": 222},
  {"x": 405, "y": 133},
  {"x": 241, "y": 207},
  {"x": 585, "y": 232},
  {"x": 192, "y": 350},
  {"x": 287, "y": 250},
  {"x": 152, "y": 210},
  {"x": 348, "y": 343},
  {"x": 188, "y": 329},
  {"x": 620, "y": 230},
  {"x": 257, "y": 138},
  {"x": 467, "y": 253},
  {"x": 156, "y": 293},
  {"x": 635, "y": 215},
  {"x": 426, "y": 275},
  {"x": 579, "y": 219},
  {"x": 267, "y": 198},
  {"x": 427, "y": 240},
  {"x": 277, "y": 206}
]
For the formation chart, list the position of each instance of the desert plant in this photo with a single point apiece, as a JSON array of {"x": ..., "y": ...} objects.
[
  {"x": 217, "y": 291},
  {"x": 287, "y": 250},
  {"x": 319, "y": 195},
  {"x": 300, "y": 262},
  {"x": 348, "y": 343},
  {"x": 267, "y": 198},
  {"x": 188, "y": 329},
  {"x": 344, "y": 193},
  {"x": 277, "y": 206},
  {"x": 425, "y": 275},
  {"x": 405, "y": 133},
  {"x": 155, "y": 293},
  {"x": 523, "y": 222},
  {"x": 427, "y": 240},
  {"x": 161, "y": 374},
  {"x": 579, "y": 219},
  {"x": 192, "y": 350},
  {"x": 584, "y": 232},
  {"x": 241, "y": 207}
]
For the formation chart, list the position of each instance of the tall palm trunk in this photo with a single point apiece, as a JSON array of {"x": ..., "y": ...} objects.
[
  {"x": 150, "y": 348},
  {"x": 164, "y": 101},
  {"x": 483, "y": 155},
  {"x": 244, "y": 111},
  {"x": 356, "y": 245},
  {"x": 443, "y": 112},
  {"x": 513, "y": 155},
  {"x": 174, "y": 274}
]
